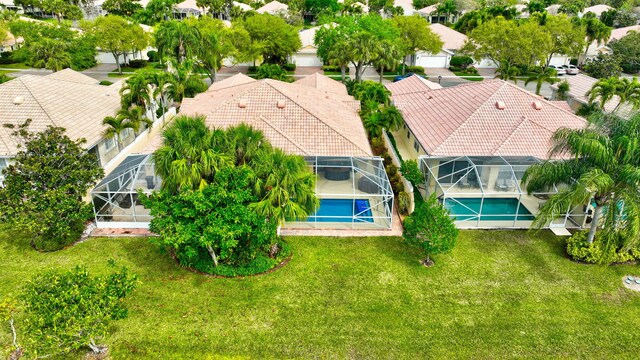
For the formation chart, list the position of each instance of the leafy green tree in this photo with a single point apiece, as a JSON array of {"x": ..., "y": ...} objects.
[
  {"x": 71, "y": 310},
  {"x": 572, "y": 7},
  {"x": 117, "y": 36},
  {"x": 184, "y": 82},
  {"x": 178, "y": 40},
  {"x": 609, "y": 17},
  {"x": 535, "y": 6},
  {"x": 371, "y": 91},
  {"x": 415, "y": 36},
  {"x": 603, "y": 66},
  {"x": 430, "y": 228},
  {"x": 191, "y": 154},
  {"x": 82, "y": 50},
  {"x": 542, "y": 75},
  {"x": 49, "y": 54},
  {"x": 567, "y": 38},
  {"x": 387, "y": 56},
  {"x": 472, "y": 19},
  {"x": 43, "y": 189},
  {"x": 272, "y": 71},
  {"x": 156, "y": 11},
  {"x": 523, "y": 43},
  {"x": 218, "y": 43},
  {"x": 213, "y": 222},
  {"x": 603, "y": 169},
  {"x": 563, "y": 90},
  {"x": 315, "y": 7},
  {"x": 277, "y": 40},
  {"x": 122, "y": 7},
  {"x": 411, "y": 172},
  {"x": 358, "y": 38},
  {"x": 420, "y": 4},
  {"x": 60, "y": 8},
  {"x": 447, "y": 7},
  {"x": 284, "y": 186},
  {"x": 627, "y": 49},
  {"x": 625, "y": 18}
]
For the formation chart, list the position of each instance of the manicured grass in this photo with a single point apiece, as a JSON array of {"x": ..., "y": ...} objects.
[
  {"x": 15, "y": 66},
  {"x": 498, "y": 295},
  {"x": 468, "y": 76}
]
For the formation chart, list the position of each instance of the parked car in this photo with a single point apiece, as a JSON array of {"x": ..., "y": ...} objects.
[
  {"x": 571, "y": 69},
  {"x": 559, "y": 69},
  {"x": 401, "y": 77}
]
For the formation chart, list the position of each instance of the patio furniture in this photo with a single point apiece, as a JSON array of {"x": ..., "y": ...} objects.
[
  {"x": 501, "y": 186},
  {"x": 367, "y": 185},
  {"x": 464, "y": 183},
  {"x": 337, "y": 173}
]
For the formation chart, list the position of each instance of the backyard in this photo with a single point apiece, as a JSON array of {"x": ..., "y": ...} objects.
[{"x": 499, "y": 294}]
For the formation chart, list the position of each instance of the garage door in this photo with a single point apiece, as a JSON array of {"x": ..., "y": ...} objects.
[
  {"x": 307, "y": 60},
  {"x": 432, "y": 61}
]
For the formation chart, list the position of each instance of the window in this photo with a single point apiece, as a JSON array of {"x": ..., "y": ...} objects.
[
  {"x": 416, "y": 145},
  {"x": 109, "y": 143},
  {"x": 4, "y": 162},
  {"x": 408, "y": 134}
]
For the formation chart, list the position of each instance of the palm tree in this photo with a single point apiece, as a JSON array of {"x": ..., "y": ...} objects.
[
  {"x": 116, "y": 125},
  {"x": 284, "y": 185},
  {"x": 507, "y": 71},
  {"x": 447, "y": 7},
  {"x": 605, "y": 90},
  {"x": 177, "y": 40},
  {"x": 190, "y": 154},
  {"x": 629, "y": 92},
  {"x": 50, "y": 54},
  {"x": 184, "y": 83},
  {"x": 391, "y": 118},
  {"x": 388, "y": 56},
  {"x": 135, "y": 115},
  {"x": 541, "y": 76},
  {"x": 604, "y": 168},
  {"x": 245, "y": 143},
  {"x": 595, "y": 30}
]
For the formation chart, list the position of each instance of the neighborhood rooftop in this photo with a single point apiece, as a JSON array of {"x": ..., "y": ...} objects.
[
  {"x": 66, "y": 99},
  {"x": 412, "y": 84},
  {"x": 296, "y": 118},
  {"x": 490, "y": 118},
  {"x": 452, "y": 40}
]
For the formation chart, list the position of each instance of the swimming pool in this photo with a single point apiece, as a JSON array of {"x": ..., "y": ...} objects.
[
  {"x": 493, "y": 209},
  {"x": 342, "y": 210}
]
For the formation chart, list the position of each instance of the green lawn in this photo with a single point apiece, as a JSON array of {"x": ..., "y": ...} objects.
[
  {"x": 499, "y": 295},
  {"x": 15, "y": 66},
  {"x": 468, "y": 76}
]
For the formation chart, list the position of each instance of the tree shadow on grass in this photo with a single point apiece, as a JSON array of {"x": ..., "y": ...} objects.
[{"x": 14, "y": 240}]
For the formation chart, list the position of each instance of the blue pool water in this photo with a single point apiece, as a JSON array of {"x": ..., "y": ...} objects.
[
  {"x": 493, "y": 209},
  {"x": 342, "y": 210}
]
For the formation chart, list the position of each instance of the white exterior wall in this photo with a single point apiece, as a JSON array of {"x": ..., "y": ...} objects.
[{"x": 107, "y": 58}]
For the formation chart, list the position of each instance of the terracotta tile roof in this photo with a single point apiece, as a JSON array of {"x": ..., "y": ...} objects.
[
  {"x": 72, "y": 76},
  {"x": 562, "y": 104},
  {"x": 465, "y": 120},
  {"x": 323, "y": 83},
  {"x": 237, "y": 79},
  {"x": 580, "y": 84},
  {"x": 452, "y": 39},
  {"x": 310, "y": 122},
  {"x": 273, "y": 7},
  {"x": 66, "y": 100},
  {"x": 597, "y": 9},
  {"x": 412, "y": 84}
]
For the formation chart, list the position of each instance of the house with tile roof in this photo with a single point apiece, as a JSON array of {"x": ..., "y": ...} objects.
[
  {"x": 577, "y": 96},
  {"x": 597, "y": 10},
  {"x": 65, "y": 99},
  {"x": 474, "y": 142},
  {"x": 313, "y": 117},
  {"x": 595, "y": 48},
  {"x": 452, "y": 42},
  {"x": 307, "y": 55},
  {"x": 273, "y": 8},
  {"x": 431, "y": 14}
]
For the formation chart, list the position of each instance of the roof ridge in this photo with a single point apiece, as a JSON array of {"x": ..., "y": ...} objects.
[
  {"x": 543, "y": 100},
  {"x": 468, "y": 117},
  {"x": 524, "y": 120},
  {"x": 304, "y": 108},
  {"x": 36, "y": 99},
  {"x": 284, "y": 134}
]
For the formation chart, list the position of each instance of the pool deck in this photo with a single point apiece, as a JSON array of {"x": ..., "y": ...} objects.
[{"x": 396, "y": 230}]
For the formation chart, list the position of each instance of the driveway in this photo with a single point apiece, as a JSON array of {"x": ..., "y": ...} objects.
[{"x": 307, "y": 70}]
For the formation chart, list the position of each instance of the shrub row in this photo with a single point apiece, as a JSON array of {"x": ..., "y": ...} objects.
[
  {"x": 332, "y": 68},
  {"x": 379, "y": 148},
  {"x": 470, "y": 70},
  {"x": 138, "y": 63},
  {"x": 595, "y": 253},
  {"x": 462, "y": 62}
]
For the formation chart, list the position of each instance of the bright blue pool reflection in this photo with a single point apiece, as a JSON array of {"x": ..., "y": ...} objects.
[{"x": 343, "y": 210}]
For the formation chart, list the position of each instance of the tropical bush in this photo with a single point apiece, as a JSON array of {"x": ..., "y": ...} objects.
[
  {"x": 332, "y": 68},
  {"x": 153, "y": 56},
  {"x": 138, "y": 63},
  {"x": 563, "y": 90},
  {"x": 415, "y": 69},
  {"x": 411, "y": 172},
  {"x": 289, "y": 67},
  {"x": 579, "y": 249},
  {"x": 431, "y": 229},
  {"x": 272, "y": 71},
  {"x": 461, "y": 62},
  {"x": 404, "y": 202}
]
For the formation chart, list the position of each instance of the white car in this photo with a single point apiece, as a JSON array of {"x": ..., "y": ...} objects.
[
  {"x": 571, "y": 69},
  {"x": 559, "y": 70}
]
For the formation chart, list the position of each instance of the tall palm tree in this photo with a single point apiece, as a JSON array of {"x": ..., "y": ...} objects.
[
  {"x": 184, "y": 82},
  {"x": 507, "y": 71},
  {"x": 245, "y": 143},
  {"x": 285, "y": 186},
  {"x": 190, "y": 154},
  {"x": 388, "y": 57},
  {"x": 136, "y": 116},
  {"x": 177, "y": 40},
  {"x": 116, "y": 125},
  {"x": 447, "y": 7},
  {"x": 391, "y": 118},
  {"x": 604, "y": 167},
  {"x": 543, "y": 75},
  {"x": 596, "y": 30},
  {"x": 629, "y": 92},
  {"x": 50, "y": 54},
  {"x": 604, "y": 90}
]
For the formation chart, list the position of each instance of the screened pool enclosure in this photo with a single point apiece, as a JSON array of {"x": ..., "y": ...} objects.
[
  {"x": 487, "y": 192},
  {"x": 354, "y": 193}
]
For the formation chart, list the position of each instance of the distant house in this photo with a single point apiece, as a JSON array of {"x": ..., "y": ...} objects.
[
  {"x": 577, "y": 97},
  {"x": 431, "y": 14},
  {"x": 452, "y": 42},
  {"x": 313, "y": 117},
  {"x": 474, "y": 142},
  {"x": 187, "y": 8},
  {"x": 66, "y": 99},
  {"x": 308, "y": 53},
  {"x": 273, "y": 8},
  {"x": 12, "y": 6},
  {"x": 596, "y": 48},
  {"x": 553, "y": 9},
  {"x": 10, "y": 43},
  {"x": 597, "y": 10},
  {"x": 406, "y": 5}
]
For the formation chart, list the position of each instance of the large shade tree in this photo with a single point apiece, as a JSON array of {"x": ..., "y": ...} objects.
[
  {"x": 415, "y": 35},
  {"x": 273, "y": 39},
  {"x": 601, "y": 165}
]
